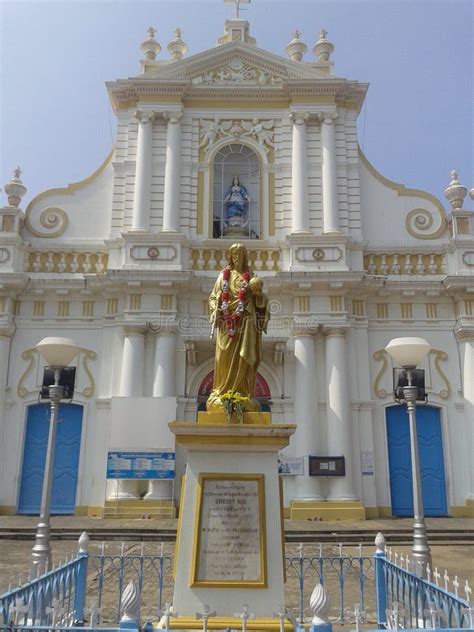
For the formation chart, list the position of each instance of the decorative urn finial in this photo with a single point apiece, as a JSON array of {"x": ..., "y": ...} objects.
[
  {"x": 296, "y": 48},
  {"x": 15, "y": 189},
  {"x": 455, "y": 192},
  {"x": 150, "y": 47},
  {"x": 319, "y": 603},
  {"x": 177, "y": 48},
  {"x": 323, "y": 47}
]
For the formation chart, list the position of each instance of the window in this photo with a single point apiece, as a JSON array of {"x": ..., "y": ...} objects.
[{"x": 236, "y": 188}]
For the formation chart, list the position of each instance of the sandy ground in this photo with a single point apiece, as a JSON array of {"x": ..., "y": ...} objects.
[{"x": 15, "y": 556}]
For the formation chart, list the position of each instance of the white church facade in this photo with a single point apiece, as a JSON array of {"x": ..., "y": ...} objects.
[{"x": 124, "y": 261}]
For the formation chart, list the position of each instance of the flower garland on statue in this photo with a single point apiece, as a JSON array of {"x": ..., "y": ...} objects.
[{"x": 232, "y": 318}]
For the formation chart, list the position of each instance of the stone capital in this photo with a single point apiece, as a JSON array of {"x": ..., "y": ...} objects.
[
  {"x": 335, "y": 332},
  {"x": 6, "y": 331},
  {"x": 162, "y": 327},
  {"x": 305, "y": 328},
  {"x": 299, "y": 118},
  {"x": 464, "y": 332},
  {"x": 172, "y": 116},
  {"x": 134, "y": 330},
  {"x": 144, "y": 116},
  {"x": 328, "y": 118}
]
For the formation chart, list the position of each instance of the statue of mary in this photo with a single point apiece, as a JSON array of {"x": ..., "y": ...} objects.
[{"x": 236, "y": 201}]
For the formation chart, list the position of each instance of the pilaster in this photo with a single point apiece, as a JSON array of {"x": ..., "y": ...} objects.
[
  {"x": 329, "y": 172},
  {"x": 307, "y": 436},
  {"x": 171, "y": 203},
  {"x": 143, "y": 168},
  {"x": 299, "y": 175},
  {"x": 339, "y": 412}
]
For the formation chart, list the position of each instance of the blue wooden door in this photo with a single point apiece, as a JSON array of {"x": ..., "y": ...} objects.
[
  {"x": 430, "y": 449},
  {"x": 66, "y": 461}
]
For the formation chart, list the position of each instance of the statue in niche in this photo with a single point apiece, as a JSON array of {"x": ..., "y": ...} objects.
[
  {"x": 236, "y": 202},
  {"x": 239, "y": 314}
]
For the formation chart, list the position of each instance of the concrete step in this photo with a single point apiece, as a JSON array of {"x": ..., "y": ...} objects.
[{"x": 155, "y": 534}]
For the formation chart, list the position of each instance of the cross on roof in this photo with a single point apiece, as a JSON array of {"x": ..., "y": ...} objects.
[
  {"x": 237, "y": 6},
  {"x": 436, "y": 576}
]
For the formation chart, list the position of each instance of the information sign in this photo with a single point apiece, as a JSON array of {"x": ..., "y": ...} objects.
[{"x": 150, "y": 464}]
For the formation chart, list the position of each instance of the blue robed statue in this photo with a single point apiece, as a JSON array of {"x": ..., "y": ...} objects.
[{"x": 236, "y": 200}]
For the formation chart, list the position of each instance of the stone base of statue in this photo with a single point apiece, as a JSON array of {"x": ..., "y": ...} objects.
[
  {"x": 236, "y": 232},
  {"x": 230, "y": 544}
]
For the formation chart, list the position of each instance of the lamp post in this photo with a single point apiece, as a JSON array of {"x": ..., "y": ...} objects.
[
  {"x": 58, "y": 353},
  {"x": 408, "y": 353}
]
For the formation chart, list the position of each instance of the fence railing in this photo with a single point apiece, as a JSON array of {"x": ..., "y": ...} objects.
[
  {"x": 109, "y": 583},
  {"x": 405, "y": 600},
  {"x": 56, "y": 597}
]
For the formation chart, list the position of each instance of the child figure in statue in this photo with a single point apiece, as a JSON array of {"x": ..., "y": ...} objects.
[{"x": 239, "y": 312}]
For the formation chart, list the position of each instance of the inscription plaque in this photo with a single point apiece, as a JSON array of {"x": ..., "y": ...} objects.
[{"x": 230, "y": 538}]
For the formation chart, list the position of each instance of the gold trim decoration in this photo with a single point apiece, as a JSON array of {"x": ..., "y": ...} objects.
[
  {"x": 28, "y": 355},
  {"x": 88, "y": 354},
  {"x": 380, "y": 355},
  {"x": 265, "y": 260},
  {"x": 405, "y": 263},
  {"x": 230, "y": 623},
  {"x": 420, "y": 219},
  {"x": 261, "y": 581},
  {"x": 180, "y": 523},
  {"x": 438, "y": 356},
  {"x": 419, "y": 216},
  {"x": 52, "y": 216},
  {"x": 70, "y": 262}
]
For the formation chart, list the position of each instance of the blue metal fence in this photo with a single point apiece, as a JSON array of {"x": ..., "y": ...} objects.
[
  {"x": 58, "y": 599},
  {"x": 57, "y": 595}
]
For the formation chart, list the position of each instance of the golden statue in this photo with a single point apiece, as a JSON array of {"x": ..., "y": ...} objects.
[{"x": 239, "y": 314}]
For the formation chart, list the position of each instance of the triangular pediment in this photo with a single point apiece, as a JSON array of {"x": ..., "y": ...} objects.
[{"x": 235, "y": 63}]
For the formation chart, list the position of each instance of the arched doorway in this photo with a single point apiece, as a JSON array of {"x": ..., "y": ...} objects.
[
  {"x": 430, "y": 449},
  {"x": 66, "y": 461},
  {"x": 262, "y": 392}
]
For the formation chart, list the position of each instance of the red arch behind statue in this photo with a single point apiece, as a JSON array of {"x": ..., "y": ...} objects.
[{"x": 262, "y": 390}]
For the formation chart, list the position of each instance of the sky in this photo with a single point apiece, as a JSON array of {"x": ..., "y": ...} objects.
[{"x": 55, "y": 57}]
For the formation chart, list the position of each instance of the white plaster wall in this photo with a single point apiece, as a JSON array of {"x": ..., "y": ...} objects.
[
  {"x": 452, "y": 418},
  {"x": 88, "y": 207},
  {"x": 384, "y": 213}
]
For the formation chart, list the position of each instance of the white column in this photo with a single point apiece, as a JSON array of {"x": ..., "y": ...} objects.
[
  {"x": 299, "y": 175},
  {"x": 143, "y": 169},
  {"x": 5, "y": 342},
  {"x": 339, "y": 413},
  {"x": 164, "y": 383},
  {"x": 329, "y": 172},
  {"x": 306, "y": 437},
  {"x": 131, "y": 385},
  {"x": 171, "y": 203},
  {"x": 468, "y": 386},
  {"x": 133, "y": 361}
]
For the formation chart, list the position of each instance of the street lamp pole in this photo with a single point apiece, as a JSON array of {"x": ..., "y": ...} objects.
[
  {"x": 409, "y": 352},
  {"x": 421, "y": 551},
  {"x": 58, "y": 352}
]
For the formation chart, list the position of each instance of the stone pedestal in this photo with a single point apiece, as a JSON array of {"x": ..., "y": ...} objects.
[{"x": 230, "y": 548}]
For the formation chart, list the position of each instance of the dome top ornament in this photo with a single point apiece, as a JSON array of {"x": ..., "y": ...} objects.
[
  {"x": 296, "y": 48},
  {"x": 150, "y": 47},
  {"x": 455, "y": 192},
  {"x": 15, "y": 189},
  {"x": 323, "y": 47},
  {"x": 177, "y": 48}
]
